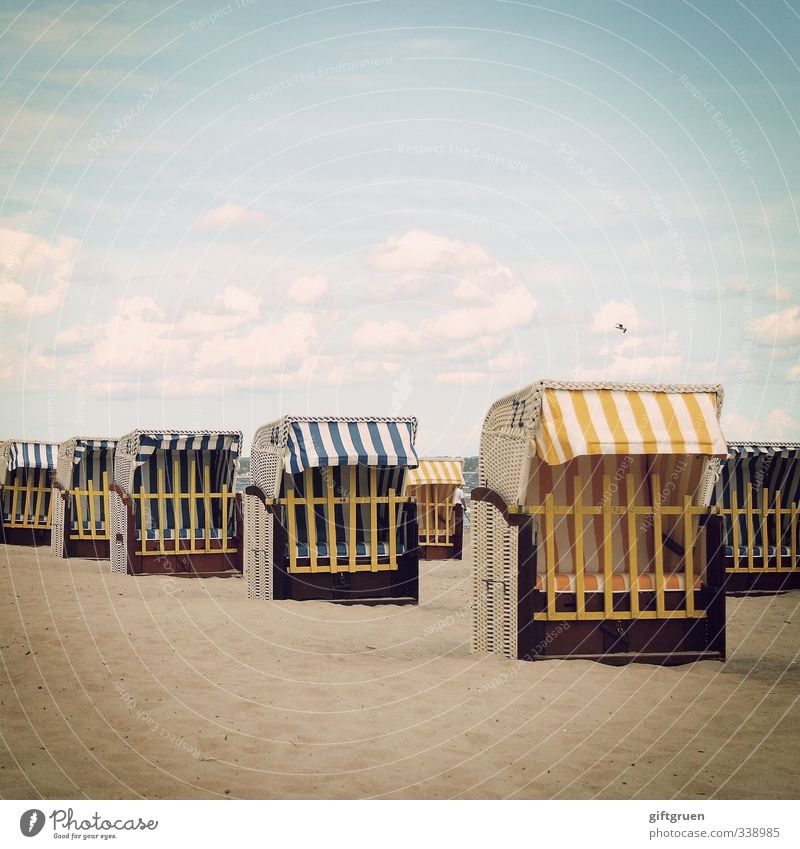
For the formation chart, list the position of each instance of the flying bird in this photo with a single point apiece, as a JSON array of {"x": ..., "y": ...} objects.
[{"x": 621, "y": 327}]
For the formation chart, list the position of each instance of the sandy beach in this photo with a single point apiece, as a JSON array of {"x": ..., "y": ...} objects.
[{"x": 117, "y": 687}]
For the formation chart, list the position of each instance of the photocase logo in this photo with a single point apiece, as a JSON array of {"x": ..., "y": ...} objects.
[{"x": 31, "y": 822}]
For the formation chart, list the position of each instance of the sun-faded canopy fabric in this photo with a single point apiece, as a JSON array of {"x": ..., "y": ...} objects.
[
  {"x": 85, "y": 447},
  {"x": 437, "y": 472},
  {"x": 33, "y": 455},
  {"x": 317, "y": 443},
  {"x": 587, "y": 422}
]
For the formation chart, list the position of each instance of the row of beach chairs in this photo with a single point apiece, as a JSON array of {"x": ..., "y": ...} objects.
[{"x": 609, "y": 520}]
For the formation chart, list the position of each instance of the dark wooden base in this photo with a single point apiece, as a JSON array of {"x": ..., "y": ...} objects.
[
  {"x": 90, "y": 549},
  {"x": 187, "y": 565},
  {"x": 619, "y": 641},
  {"x": 439, "y": 552},
  {"x": 24, "y": 536},
  {"x": 397, "y": 587},
  {"x": 744, "y": 583}
]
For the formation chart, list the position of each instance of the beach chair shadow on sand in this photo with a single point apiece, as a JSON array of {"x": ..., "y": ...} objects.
[
  {"x": 326, "y": 517},
  {"x": 593, "y": 537}
]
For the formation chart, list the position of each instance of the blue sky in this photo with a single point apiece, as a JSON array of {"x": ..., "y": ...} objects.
[{"x": 212, "y": 214}]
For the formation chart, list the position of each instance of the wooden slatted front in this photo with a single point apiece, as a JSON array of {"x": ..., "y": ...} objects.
[
  {"x": 99, "y": 513},
  {"x": 437, "y": 515},
  {"x": 326, "y": 506},
  {"x": 200, "y": 539},
  {"x": 683, "y": 520},
  {"x": 28, "y": 503},
  {"x": 770, "y": 524}
]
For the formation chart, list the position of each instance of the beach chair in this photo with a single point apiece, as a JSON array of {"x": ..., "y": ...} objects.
[
  {"x": 325, "y": 517},
  {"x": 757, "y": 492},
  {"x": 593, "y": 537},
  {"x": 173, "y": 505},
  {"x": 81, "y": 516},
  {"x": 27, "y": 471},
  {"x": 441, "y": 521}
]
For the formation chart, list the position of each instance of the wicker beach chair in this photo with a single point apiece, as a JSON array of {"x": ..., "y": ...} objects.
[
  {"x": 593, "y": 537},
  {"x": 325, "y": 517},
  {"x": 758, "y": 493},
  {"x": 27, "y": 472},
  {"x": 81, "y": 515},
  {"x": 173, "y": 505},
  {"x": 441, "y": 521}
]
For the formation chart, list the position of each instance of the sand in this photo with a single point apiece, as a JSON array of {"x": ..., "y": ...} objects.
[{"x": 152, "y": 687}]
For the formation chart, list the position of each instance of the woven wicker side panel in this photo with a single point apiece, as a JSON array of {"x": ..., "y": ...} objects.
[
  {"x": 494, "y": 583},
  {"x": 506, "y": 441},
  {"x": 711, "y": 474},
  {"x": 57, "y": 533},
  {"x": 66, "y": 451},
  {"x": 257, "y": 549},
  {"x": 119, "y": 527}
]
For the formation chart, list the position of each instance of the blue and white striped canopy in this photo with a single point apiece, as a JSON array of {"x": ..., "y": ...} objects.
[
  {"x": 323, "y": 442},
  {"x": 84, "y": 445},
  {"x": 32, "y": 455},
  {"x": 149, "y": 443}
]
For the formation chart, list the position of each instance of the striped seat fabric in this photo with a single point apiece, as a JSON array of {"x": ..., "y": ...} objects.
[
  {"x": 182, "y": 533},
  {"x": 99, "y": 525},
  {"x": 363, "y": 549},
  {"x": 758, "y": 551},
  {"x": 620, "y": 583}
]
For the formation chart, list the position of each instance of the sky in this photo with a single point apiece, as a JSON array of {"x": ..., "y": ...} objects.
[{"x": 214, "y": 214}]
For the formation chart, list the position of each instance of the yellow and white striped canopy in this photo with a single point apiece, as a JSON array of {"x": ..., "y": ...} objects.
[
  {"x": 585, "y": 422},
  {"x": 437, "y": 471}
]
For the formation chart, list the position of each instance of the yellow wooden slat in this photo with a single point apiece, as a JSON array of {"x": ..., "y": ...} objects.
[
  {"x": 750, "y": 534},
  {"x": 352, "y": 537},
  {"x": 608, "y": 561},
  {"x": 311, "y": 518},
  {"x": 106, "y": 507},
  {"x": 793, "y": 529},
  {"x": 580, "y": 564},
  {"x": 40, "y": 479},
  {"x": 373, "y": 518},
  {"x": 778, "y": 530},
  {"x": 176, "y": 501},
  {"x": 549, "y": 543},
  {"x": 633, "y": 554},
  {"x": 331, "y": 513},
  {"x": 764, "y": 534},
  {"x": 688, "y": 548},
  {"x": 735, "y": 527},
  {"x": 29, "y": 513},
  {"x": 291, "y": 521},
  {"x": 92, "y": 508},
  {"x": 78, "y": 512},
  {"x": 162, "y": 511},
  {"x": 392, "y": 530},
  {"x": 659, "y": 545},
  {"x": 14, "y": 501},
  {"x": 224, "y": 529},
  {"x": 192, "y": 499},
  {"x": 207, "y": 505}
]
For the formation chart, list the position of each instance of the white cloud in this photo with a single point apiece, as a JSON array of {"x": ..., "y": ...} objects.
[
  {"x": 736, "y": 427},
  {"x": 778, "y": 327},
  {"x": 735, "y": 283},
  {"x": 780, "y": 425},
  {"x": 308, "y": 289},
  {"x": 499, "y": 315},
  {"x": 619, "y": 312},
  {"x": 387, "y": 336},
  {"x": 34, "y": 273},
  {"x": 793, "y": 373},
  {"x": 776, "y": 292},
  {"x": 231, "y": 215},
  {"x": 635, "y": 358},
  {"x": 419, "y": 250}
]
